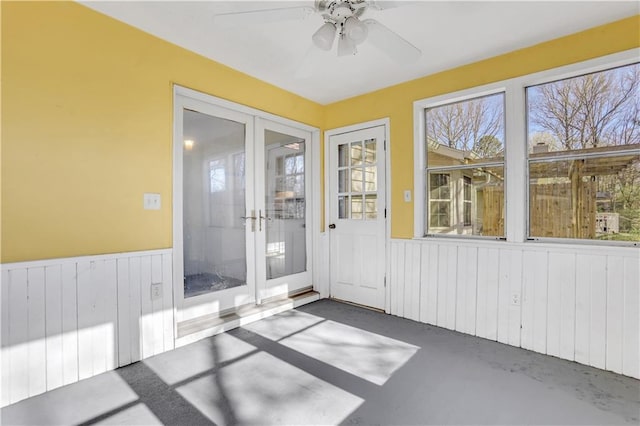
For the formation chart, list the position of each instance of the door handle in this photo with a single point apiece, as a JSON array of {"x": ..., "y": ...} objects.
[
  {"x": 332, "y": 226},
  {"x": 253, "y": 220},
  {"x": 260, "y": 218}
]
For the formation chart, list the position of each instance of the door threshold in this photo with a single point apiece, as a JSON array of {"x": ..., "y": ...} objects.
[
  {"x": 198, "y": 328},
  {"x": 371, "y": 308}
]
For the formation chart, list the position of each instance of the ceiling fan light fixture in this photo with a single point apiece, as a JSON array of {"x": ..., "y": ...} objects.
[
  {"x": 355, "y": 30},
  {"x": 323, "y": 38},
  {"x": 346, "y": 46}
]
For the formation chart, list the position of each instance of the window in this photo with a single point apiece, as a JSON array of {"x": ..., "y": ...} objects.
[
  {"x": 439, "y": 200},
  {"x": 584, "y": 156},
  {"x": 465, "y": 167},
  {"x": 466, "y": 214},
  {"x": 289, "y": 202},
  {"x": 357, "y": 180}
]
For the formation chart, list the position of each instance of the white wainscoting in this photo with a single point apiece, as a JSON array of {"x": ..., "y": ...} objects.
[
  {"x": 64, "y": 320},
  {"x": 579, "y": 303}
]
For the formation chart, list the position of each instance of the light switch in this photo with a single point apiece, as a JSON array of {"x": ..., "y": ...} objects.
[
  {"x": 151, "y": 201},
  {"x": 407, "y": 195}
]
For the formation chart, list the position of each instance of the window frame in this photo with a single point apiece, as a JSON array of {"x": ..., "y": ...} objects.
[
  {"x": 420, "y": 191},
  {"x": 516, "y": 158}
]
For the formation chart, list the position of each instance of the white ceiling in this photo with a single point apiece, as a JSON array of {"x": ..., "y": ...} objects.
[{"x": 449, "y": 33}]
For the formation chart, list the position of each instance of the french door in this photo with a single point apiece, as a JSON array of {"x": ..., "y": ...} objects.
[{"x": 240, "y": 209}]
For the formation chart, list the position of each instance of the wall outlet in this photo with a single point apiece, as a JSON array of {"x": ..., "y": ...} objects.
[
  {"x": 151, "y": 201},
  {"x": 515, "y": 299},
  {"x": 156, "y": 291}
]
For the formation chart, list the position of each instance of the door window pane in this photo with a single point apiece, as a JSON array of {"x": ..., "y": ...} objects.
[
  {"x": 285, "y": 223},
  {"x": 213, "y": 201},
  {"x": 358, "y": 181}
]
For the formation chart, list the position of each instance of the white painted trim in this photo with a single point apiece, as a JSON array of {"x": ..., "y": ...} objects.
[
  {"x": 516, "y": 165},
  {"x": 239, "y": 322},
  {"x": 203, "y": 97},
  {"x": 88, "y": 258},
  {"x": 386, "y": 122}
]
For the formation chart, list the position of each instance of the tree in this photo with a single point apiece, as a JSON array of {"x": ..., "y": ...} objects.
[
  {"x": 463, "y": 124},
  {"x": 589, "y": 111}
]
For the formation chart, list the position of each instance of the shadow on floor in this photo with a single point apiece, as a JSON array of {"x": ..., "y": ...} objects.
[{"x": 332, "y": 363}]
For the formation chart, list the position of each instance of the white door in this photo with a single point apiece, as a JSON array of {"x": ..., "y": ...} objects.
[
  {"x": 284, "y": 213},
  {"x": 357, "y": 223},
  {"x": 240, "y": 209},
  {"x": 214, "y": 242}
]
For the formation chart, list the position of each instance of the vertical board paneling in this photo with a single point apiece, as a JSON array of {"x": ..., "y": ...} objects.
[
  {"x": 69, "y": 323},
  {"x": 412, "y": 282},
  {"x": 69, "y": 319},
  {"x": 561, "y": 305},
  {"x": 400, "y": 281},
  {"x": 37, "y": 331},
  {"x": 442, "y": 283},
  {"x": 463, "y": 276},
  {"x": 124, "y": 302},
  {"x": 567, "y": 306},
  {"x": 156, "y": 305},
  {"x": 110, "y": 318},
  {"x": 515, "y": 309},
  {"x": 615, "y": 312},
  {"x": 504, "y": 288},
  {"x": 432, "y": 278},
  {"x": 534, "y": 301},
  {"x": 472, "y": 291},
  {"x": 598, "y": 327},
  {"x": 452, "y": 287},
  {"x": 99, "y": 327},
  {"x": 146, "y": 312},
  {"x": 135, "y": 319},
  {"x": 487, "y": 301},
  {"x": 584, "y": 265},
  {"x": 425, "y": 282},
  {"x": 631, "y": 324},
  {"x": 53, "y": 310},
  {"x": 5, "y": 388},
  {"x": 18, "y": 335},
  {"x": 86, "y": 315},
  {"x": 167, "y": 302},
  {"x": 408, "y": 271},
  {"x": 393, "y": 278}
]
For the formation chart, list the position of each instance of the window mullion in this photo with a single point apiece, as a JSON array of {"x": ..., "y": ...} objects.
[{"x": 515, "y": 163}]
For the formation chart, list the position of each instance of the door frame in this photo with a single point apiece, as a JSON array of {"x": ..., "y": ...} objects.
[
  {"x": 386, "y": 123},
  {"x": 315, "y": 176}
]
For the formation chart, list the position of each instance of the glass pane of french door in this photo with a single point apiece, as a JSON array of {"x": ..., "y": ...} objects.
[
  {"x": 285, "y": 204},
  {"x": 214, "y": 204}
]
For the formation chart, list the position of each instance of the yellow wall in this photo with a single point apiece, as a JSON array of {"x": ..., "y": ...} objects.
[
  {"x": 87, "y": 123},
  {"x": 87, "y": 129},
  {"x": 397, "y": 102}
]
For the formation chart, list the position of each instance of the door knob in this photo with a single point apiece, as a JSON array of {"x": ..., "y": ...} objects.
[{"x": 332, "y": 226}]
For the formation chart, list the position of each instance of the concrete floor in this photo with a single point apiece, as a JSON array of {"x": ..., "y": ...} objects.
[{"x": 332, "y": 363}]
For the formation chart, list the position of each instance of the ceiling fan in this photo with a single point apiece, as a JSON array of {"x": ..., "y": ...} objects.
[{"x": 342, "y": 20}]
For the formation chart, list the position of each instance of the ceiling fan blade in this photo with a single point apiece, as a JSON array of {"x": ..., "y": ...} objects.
[
  {"x": 384, "y": 4},
  {"x": 256, "y": 17},
  {"x": 390, "y": 43}
]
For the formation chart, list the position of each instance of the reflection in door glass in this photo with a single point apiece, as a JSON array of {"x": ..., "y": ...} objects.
[
  {"x": 357, "y": 199},
  {"x": 285, "y": 203},
  {"x": 213, "y": 204}
]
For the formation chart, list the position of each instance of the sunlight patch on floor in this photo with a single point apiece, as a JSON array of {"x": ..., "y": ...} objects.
[
  {"x": 197, "y": 358},
  {"x": 262, "y": 389},
  {"x": 364, "y": 354}
]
